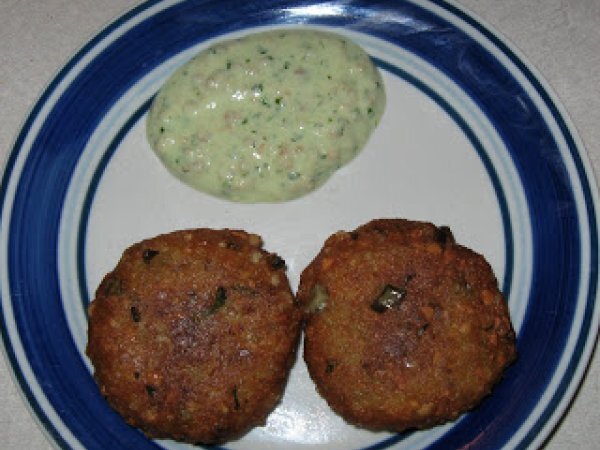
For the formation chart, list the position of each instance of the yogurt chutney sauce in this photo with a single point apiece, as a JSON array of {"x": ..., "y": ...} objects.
[{"x": 268, "y": 117}]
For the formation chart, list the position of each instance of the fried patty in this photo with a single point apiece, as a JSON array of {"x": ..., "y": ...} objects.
[
  {"x": 192, "y": 335},
  {"x": 404, "y": 328}
]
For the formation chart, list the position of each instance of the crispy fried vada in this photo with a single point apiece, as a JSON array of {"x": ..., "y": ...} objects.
[
  {"x": 404, "y": 328},
  {"x": 192, "y": 335}
]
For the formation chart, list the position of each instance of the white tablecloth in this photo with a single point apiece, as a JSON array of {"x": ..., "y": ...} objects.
[{"x": 561, "y": 38}]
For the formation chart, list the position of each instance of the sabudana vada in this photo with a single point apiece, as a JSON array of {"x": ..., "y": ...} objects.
[
  {"x": 193, "y": 334},
  {"x": 404, "y": 327}
]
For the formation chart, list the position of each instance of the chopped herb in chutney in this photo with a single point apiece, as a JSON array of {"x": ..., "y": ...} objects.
[{"x": 316, "y": 97}]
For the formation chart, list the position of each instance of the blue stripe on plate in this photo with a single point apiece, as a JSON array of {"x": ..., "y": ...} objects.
[{"x": 89, "y": 200}]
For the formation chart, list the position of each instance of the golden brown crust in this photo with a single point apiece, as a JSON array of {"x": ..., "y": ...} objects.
[
  {"x": 193, "y": 334},
  {"x": 404, "y": 328}
]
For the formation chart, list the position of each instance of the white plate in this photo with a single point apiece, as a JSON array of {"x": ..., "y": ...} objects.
[{"x": 471, "y": 138}]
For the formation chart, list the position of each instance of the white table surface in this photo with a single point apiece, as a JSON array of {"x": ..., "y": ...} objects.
[{"x": 561, "y": 38}]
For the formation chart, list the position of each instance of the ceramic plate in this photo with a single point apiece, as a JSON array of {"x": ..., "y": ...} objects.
[{"x": 471, "y": 138}]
